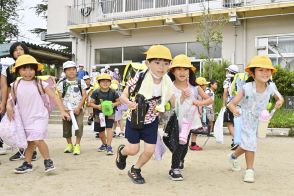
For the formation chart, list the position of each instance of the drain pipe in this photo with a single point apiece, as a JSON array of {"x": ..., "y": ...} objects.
[{"x": 244, "y": 43}]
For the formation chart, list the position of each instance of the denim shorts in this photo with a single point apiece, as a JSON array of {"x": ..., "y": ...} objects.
[{"x": 148, "y": 134}]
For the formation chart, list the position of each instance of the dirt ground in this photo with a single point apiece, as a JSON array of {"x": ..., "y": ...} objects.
[{"x": 206, "y": 172}]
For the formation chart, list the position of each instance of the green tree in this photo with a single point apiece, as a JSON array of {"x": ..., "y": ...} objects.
[
  {"x": 8, "y": 19},
  {"x": 209, "y": 35},
  {"x": 283, "y": 80},
  {"x": 40, "y": 10}
]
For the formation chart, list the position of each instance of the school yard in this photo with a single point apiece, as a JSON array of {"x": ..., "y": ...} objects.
[{"x": 206, "y": 172}]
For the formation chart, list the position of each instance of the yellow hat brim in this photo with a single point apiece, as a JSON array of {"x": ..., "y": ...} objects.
[
  {"x": 40, "y": 67},
  {"x": 247, "y": 69},
  {"x": 184, "y": 66}
]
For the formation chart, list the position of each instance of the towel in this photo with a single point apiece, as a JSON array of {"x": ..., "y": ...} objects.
[{"x": 146, "y": 89}]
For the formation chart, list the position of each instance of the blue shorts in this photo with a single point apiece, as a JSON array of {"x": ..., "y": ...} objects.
[{"x": 148, "y": 134}]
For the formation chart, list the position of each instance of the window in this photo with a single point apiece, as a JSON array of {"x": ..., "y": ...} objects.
[
  {"x": 177, "y": 49},
  {"x": 135, "y": 53},
  {"x": 111, "y": 6},
  {"x": 108, "y": 56},
  {"x": 196, "y": 50},
  {"x": 132, "y": 5}
]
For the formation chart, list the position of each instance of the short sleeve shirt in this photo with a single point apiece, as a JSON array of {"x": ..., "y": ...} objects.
[
  {"x": 110, "y": 95},
  {"x": 152, "y": 113},
  {"x": 73, "y": 94}
]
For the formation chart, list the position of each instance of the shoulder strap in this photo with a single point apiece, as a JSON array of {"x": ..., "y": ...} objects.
[
  {"x": 80, "y": 86},
  {"x": 138, "y": 84},
  {"x": 40, "y": 86},
  {"x": 64, "y": 88},
  {"x": 13, "y": 90}
]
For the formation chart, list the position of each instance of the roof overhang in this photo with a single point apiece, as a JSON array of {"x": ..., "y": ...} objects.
[{"x": 178, "y": 20}]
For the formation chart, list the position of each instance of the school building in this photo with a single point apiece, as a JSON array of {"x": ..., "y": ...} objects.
[{"x": 114, "y": 32}]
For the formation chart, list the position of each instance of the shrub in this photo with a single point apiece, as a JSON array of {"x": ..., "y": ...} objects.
[{"x": 283, "y": 80}]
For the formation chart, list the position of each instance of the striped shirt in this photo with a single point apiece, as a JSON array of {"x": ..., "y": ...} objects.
[{"x": 152, "y": 113}]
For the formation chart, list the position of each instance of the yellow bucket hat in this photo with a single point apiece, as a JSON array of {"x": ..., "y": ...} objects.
[
  {"x": 182, "y": 61},
  {"x": 158, "y": 51},
  {"x": 201, "y": 81},
  {"x": 103, "y": 76},
  {"x": 262, "y": 62},
  {"x": 26, "y": 59}
]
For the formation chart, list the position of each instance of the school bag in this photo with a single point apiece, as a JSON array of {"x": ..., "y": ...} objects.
[
  {"x": 65, "y": 86},
  {"x": 238, "y": 81}
]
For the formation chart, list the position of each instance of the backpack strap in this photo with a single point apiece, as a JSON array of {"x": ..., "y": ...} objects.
[
  {"x": 80, "y": 86},
  {"x": 138, "y": 84},
  {"x": 40, "y": 86},
  {"x": 64, "y": 87},
  {"x": 13, "y": 90}
]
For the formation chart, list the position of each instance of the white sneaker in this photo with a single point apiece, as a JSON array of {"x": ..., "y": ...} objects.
[
  {"x": 249, "y": 176},
  {"x": 2, "y": 151},
  {"x": 235, "y": 164}
]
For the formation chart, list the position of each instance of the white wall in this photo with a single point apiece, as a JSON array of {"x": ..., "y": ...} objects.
[{"x": 57, "y": 16}]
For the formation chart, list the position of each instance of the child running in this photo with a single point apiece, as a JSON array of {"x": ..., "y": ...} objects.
[
  {"x": 72, "y": 92},
  {"x": 153, "y": 91},
  {"x": 253, "y": 99},
  {"x": 182, "y": 73},
  {"x": 210, "y": 91},
  {"x": 103, "y": 121},
  {"x": 32, "y": 110}
]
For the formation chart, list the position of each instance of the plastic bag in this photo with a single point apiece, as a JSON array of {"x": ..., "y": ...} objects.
[
  {"x": 218, "y": 127},
  {"x": 160, "y": 148},
  {"x": 171, "y": 132},
  {"x": 12, "y": 132}
]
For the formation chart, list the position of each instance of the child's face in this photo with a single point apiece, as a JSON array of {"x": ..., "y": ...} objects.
[
  {"x": 104, "y": 84},
  {"x": 71, "y": 72},
  {"x": 181, "y": 74},
  {"x": 158, "y": 67},
  {"x": 262, "y": 74},
  {"x": 88, "y": 82},
  {"x": 214, "y": 86},
  {"x": 27, "y": 73},
  {"x": 18, "y": 52}
]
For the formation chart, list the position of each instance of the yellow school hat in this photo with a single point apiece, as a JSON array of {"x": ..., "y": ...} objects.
[
  {"x": 158, "y": 51},
  {"x": 262, "y": 62},
  {"x": 26, "y": 59},
  {"x": 201, "y": 81},
  {"x": 182, "y": 61},
  {"x": 103, "y": 76}
]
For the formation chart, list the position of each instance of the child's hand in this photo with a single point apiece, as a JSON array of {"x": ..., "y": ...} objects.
[
  {"x": 279, "y": 104},
  {"x": 196, "y": 103},
  {"x": 132, "y": 105},
  {"x": 186, "y": 93},
  {"x": 10, "y": 112},
  {"x": 99, "y": 107},
  {"x": 235, "y": 112},
  {"x": 65, "y": 115},
  {"x": 77, "y": 111}
]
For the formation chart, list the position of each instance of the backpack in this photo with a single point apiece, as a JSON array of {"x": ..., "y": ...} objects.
[
  {"x": 238, "y": 81},
  {"x": 49, "y": 102},
  {"x": 66, "y": 85}
]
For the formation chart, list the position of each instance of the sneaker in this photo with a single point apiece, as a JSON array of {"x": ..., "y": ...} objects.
[
  {"x": 249, "y": 176},
  {"x": 114, "y": 134},
  {"x": 2, "y": 151},
  {"x": 69, "y": 148},
  {"x": 77, "y": 149},
  {"x": 109, "y": 151},
  {"x": 102, "y": 148},
  {"x": 121, "y": 134},
  {"x": 24, "y": 168},
  {"x": 181, "y": 166},
  {"x": 34, "y": 156},
  {"x": 120, "y": 159},
  {"x": 17, "y": 156},
  {"x": 234, "y": 146},
  {"x": 97, "y": 135},
  {"x": 196, "y": 147},
  {"x": 48, "y": 163},
  {"x": 235, "y": 164},
  {"x": 135, "y": 175},
  {"x": 175, "y": 175}
]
